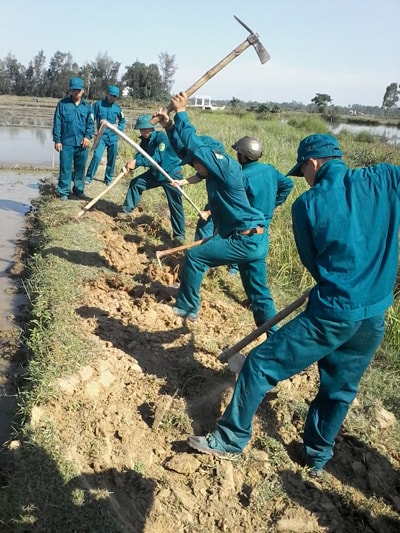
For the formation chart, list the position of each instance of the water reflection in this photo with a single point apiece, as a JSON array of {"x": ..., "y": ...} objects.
[
  {"x": 388, "y": 134},
  {"x": 17, "y": 189},
  {"x": 27, "y": 146}
]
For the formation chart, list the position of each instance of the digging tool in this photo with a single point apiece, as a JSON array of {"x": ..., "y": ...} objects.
[
  {"x": 162, "y": 253},
  {"x": 105, "y": 124},
  {"x": 123, "y": 173},
  {"x": 232, "y": 353},
  {"x": 252, "y": 40}
]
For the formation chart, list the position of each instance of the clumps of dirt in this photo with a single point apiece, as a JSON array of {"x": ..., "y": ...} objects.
[{"x": 154, "y": 378}]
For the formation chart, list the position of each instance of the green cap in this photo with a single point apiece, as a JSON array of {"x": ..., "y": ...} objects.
[
  {"x": 143, "y": 122},
  {"x": 315, "y": 146}
]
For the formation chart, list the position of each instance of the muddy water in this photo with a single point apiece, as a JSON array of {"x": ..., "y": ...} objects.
[
  {"x": 19, "y": 147},
  {"x": 16, "y": 192}
]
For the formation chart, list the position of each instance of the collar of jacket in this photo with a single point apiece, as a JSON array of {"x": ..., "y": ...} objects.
[{"x": 330, "y": 170}]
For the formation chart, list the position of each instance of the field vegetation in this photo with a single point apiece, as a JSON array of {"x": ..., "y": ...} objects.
[{"x": 114, "y": 383}]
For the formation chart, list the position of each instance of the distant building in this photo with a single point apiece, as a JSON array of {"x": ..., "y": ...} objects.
[{"x": 205, "y": 103}]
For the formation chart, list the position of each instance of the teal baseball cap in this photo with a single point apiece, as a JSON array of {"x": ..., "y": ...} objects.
[
  {"x": 76, "y": 83},
  {"x": 315, "y": 146},
  {"x": 113, "y": 90}
]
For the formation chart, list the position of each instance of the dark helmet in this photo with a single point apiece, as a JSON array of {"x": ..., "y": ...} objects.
[{"x": 250, "y": 147}]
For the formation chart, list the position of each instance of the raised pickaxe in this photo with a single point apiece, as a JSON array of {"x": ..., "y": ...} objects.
[
  {"x": 252, "y": 40},
  {"x": 105, "y": 124},
  {"x": 232, "y": 355}
]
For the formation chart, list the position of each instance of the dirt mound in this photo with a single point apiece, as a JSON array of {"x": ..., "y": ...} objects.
[{"x": 155, "y": 378}]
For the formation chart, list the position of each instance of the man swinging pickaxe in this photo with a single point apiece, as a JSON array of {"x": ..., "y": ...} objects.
[{"x": 252, "y": 40}]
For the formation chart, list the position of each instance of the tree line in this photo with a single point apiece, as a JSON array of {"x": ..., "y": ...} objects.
[
  {"x": 145, "y": 82},
  {"x": 38, "y": 80}
]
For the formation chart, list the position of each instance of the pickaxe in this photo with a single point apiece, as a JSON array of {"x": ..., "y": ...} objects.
[
  {"x": 105, "y": 124},
  {"x": 252, "y": 40},
  {"x": 123, "y": 173},
  {"x": 232, "y": 355},
  {"x": 170, "y": 251}
]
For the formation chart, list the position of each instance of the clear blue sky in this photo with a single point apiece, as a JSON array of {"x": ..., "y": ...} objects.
[{"x": 348, "y": 49}]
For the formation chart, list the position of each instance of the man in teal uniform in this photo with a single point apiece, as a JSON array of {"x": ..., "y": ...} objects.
[
  {"x": 157, "y": 145},
  {"x": 241, "y": 229},
  {"x": 109, "y": 110},
  {"x": 265, "y": 186},
  {"x": 346, "y": 230},
  {"x": 73, "y": 127}
]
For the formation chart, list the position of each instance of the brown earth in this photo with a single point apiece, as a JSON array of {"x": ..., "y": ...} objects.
[{"x": 154, "y": 379}]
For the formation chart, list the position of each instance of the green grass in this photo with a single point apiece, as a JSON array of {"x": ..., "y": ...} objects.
[{"x": 68, "y": 253}]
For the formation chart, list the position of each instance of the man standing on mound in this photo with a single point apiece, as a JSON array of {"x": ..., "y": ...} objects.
[
  {"x": 73, "y": 127},
  {"x": 346, "y": 230}
]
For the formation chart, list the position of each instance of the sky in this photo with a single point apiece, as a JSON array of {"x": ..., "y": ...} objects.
[{"x": 348, "y": 49}]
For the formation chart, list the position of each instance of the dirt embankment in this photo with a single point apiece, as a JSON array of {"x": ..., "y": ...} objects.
[{"x": 154, "y": 379}]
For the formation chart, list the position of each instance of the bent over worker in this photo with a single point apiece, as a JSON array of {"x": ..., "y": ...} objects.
[
  {"x": 157, "y": 145},
  {"x": 106, "y": 109},
  {"x": 346, "y": 231},
  {"x": 241, "y": 229},
  {"x": 266, "y": 188}
]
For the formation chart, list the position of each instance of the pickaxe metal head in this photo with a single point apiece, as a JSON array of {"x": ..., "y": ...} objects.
[
  {"x": 252, "y": 40},
  {"x": 255, "y": 41}
]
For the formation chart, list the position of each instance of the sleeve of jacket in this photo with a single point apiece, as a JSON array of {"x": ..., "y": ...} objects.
[
  {"x": 89, "y": 131},
  {"x": 121, "y": 120},
  {"x": 303, "y": 237},
  {"x": 285, "y": 185},
  {"x": 176, "y": 142},
  {"x": 220, "y": 167},
  {"x": 57, "y": 121}
]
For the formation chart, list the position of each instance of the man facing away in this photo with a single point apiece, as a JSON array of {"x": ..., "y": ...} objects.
[
  {"x": 73, "y": 127},
  {"x": 266, "y": 188},
  {"x": 346, "y": 231},
  {"x": 106, "y": 109},
  {"x": 241, "y": 235}
]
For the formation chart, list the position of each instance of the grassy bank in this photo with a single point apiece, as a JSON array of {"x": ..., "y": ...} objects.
[{"x": 81, "y": 461}]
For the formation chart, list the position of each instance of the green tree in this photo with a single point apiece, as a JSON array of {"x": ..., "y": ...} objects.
[
  {"x": 101, "y": 73},
  {"x": 16, "y": 74},
  {"x": 37, "y": 72},
  {"x": 61, "y": 68},
  {"x": 321, "y": 101},
  {"x": 5, "y": 82},
  {"x": 391, "y": 96},
  {"x": 143, "y": 81},
  {"x": 167, "y": 65}
]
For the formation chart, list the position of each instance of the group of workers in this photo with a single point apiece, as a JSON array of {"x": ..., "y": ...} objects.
[{"x": 345, "y": 228}]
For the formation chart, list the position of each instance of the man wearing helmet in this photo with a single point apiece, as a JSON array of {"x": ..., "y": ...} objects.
[
  {"x": 346, "y": 228},
  {"x": 241, "y": 229},
  {"x": 157, "y": 145},
  {"x": 265, "y": 186}
]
